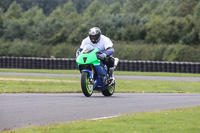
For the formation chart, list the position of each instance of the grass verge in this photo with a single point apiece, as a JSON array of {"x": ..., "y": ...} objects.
[
  {"x": 41, "y": 71},
  {"x": 67, "y": 85},
  {"x": 168, "y": 121}
]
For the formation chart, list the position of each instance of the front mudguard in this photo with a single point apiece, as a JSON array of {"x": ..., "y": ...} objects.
[{"x": 89, "y": 72}]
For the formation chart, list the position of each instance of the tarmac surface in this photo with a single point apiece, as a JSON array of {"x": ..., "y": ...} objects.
[{"x": 21, "y": 110}]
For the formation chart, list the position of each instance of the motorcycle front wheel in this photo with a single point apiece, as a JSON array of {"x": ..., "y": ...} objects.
[{"x": 86, "y": 87}]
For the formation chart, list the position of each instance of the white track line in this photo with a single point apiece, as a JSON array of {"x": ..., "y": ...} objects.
[{"x": 105, "y": 117}]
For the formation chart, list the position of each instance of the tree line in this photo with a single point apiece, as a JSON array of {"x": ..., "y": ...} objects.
[{"x": 53, "y": 24}]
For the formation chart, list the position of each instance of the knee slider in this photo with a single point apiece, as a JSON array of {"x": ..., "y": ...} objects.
[
  {"x": 109, "y": 61},
  {"x": 112, "y": 61}
]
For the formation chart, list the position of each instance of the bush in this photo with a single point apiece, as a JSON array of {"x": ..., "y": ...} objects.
[
  {"x": 161, "y": 52},
  {"x": 64, "y": 50},
  {"x": 13, "y": 30}
]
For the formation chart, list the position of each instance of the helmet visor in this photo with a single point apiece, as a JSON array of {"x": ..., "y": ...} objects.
[{"x": 94, "y": 38}]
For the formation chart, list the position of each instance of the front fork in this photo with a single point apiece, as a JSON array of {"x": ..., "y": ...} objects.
[{"x": 90, "y": 75}]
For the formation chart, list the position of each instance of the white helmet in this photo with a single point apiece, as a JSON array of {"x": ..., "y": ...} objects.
[{"x": 94, "y": 34}]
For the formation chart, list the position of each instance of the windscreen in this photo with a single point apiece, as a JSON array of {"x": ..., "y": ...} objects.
[{"x": 87, "y": 49}]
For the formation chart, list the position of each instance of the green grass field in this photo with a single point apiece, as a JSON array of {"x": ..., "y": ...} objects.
[
  {"x": 26, "y": 84},
  {"x": 22, "y": 84},
  {"x": 168, "y": 121}
]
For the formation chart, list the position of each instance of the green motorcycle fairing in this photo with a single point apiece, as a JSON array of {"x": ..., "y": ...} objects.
[{"x": 88, "y": 57}]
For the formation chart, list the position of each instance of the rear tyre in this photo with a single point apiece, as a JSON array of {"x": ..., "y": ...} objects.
[
  {"x": 86, "y": 87},
  {"x": 109, "y": 90}
]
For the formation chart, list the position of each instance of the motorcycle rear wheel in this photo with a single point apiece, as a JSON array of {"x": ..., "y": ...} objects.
[
  {"x": 86, "y": 87},
  {"x": 109, "y": 90}
]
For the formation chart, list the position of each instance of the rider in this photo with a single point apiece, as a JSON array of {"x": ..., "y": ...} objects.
[{"x": 105, "y": 45}]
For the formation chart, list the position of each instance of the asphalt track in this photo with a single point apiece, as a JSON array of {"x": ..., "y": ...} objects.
[
  {"x": 163, "y": 78},
  {"x": 21, "y": 110}
]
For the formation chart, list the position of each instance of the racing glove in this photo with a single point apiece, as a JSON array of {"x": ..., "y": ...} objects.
[
  {"x": 78, "y": 52},
  {"x": 101, "y": 56}
]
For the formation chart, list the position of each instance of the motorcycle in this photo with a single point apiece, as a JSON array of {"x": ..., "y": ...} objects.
[{"x": 94, "y": 72}]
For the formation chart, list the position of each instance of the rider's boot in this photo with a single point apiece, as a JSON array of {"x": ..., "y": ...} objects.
[
  {"x": 116, "y": 62},
  {"x": 112, "y": 78},
  {"x": 111, "y": 70}
]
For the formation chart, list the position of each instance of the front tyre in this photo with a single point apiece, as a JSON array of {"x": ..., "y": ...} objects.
[
  {"x": 109, "y": 90},
  {"x": 87, "y": 88}
]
